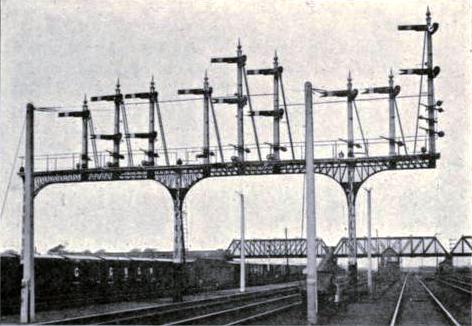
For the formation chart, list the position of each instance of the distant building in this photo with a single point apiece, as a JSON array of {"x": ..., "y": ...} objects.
[{"x": 389, "y": 262}]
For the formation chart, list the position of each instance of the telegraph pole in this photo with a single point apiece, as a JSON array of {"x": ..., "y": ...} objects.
[
  {"x": 311, "y": 278},
  {"x": 242, "y": 274},
  {"x": 27, "y": 311},
  {"x": 369, "y": 238},
  {"x": 350, "y": 191}
]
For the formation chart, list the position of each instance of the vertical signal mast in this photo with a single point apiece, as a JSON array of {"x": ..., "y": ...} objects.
[
  {"x": 85, "y": 115},
  {"x": 392, "y": 92},
  {"x": 151, "y": 135},
  {"x": 276, "y": 113},
  {"x": 239, "y": 99},
  {"x": 429, "y": 29},
  {"x": 116, "y": 136},
  {"x": 206, "y": 92}
]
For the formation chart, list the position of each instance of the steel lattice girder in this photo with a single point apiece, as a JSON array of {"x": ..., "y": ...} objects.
[
  {"x": 274, "y": 248},
  {"x": 463, "y": 247},
  {"x": 190, "y": 174},
  {"x": 403, "y": 246}
]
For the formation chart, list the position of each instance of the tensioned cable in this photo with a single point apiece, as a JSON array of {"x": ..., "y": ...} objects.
[
  {"x": 55, "y": 109},
  {"x": 5, "y": 197},
  {"x": 217, "y": 131},
  {"x": 73, "y": 107},
  {"x": 401, "y": 127},
  {"x": 358, "y": 100},
  {"x": 421, "y": 89},
  {"x": 366, "y": 149},
  {"x": 256, "y": 137},
  {"x": 287, "y": 116}
]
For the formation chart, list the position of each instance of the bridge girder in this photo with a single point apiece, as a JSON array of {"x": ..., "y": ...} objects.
[
  {"x": 275, "y": 248},
  {"x": 415, "y": 246},
  {"x": 185, "y": 176},
  {"x": 463, "y": 247},
  {"x": 403, "y": 246}
]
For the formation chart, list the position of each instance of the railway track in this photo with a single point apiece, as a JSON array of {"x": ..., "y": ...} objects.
[
  {"x": 418, "y": 305},
  {"x": 230, "y": 309},
  {"x": 459, "y": 285}
]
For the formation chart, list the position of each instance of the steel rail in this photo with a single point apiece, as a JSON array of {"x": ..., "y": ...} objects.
[
  {"x": 265, "y": 313},
  {"x": 397, "y": 307},
  {"x": 200, "y": 304},
  {"x": 151, "y": 310},
  {"x": 457, "y": 287},
  {"x": 440, "y": 305},
  {"x": 230, "y": 310}
]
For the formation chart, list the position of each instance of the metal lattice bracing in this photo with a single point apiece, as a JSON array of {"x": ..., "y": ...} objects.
[
  {"x": 192, "y": 173},
  {"x": 463, "y": 247},
  {"x": 403, "y": 246},
  {"x": 275, "y": 248}
]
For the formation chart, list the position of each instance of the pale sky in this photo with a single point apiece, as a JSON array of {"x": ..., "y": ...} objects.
[{"x": 54, "y": 52}]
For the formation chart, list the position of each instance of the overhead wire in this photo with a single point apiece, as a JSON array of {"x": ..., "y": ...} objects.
[
  {"x": 421, "y": 89},
  {"x": 256, "y": 137},
  {"x": 358, "y": 100},
  {"x": 217, "y": 131},
  {"x": 10, "y": 177},
  {"x": 401, "y": 128},
  {"x": 287, "y": 117},
  {"x": 366, "y": 148}
]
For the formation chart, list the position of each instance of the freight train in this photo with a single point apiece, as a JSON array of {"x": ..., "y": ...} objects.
[{"x": 67, "y": 280}]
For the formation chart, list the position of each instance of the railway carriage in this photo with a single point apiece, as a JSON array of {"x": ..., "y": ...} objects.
[{"x": 67, "y": 280}]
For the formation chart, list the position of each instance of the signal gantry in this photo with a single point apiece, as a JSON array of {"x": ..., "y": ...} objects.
[{"x": 350, "y": 171}]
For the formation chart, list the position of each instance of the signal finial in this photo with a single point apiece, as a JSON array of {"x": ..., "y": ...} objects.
[
  {"x": 206, "y": 75},
  {"x": 85, "y": 99},
  {"x": 276, "y": 58},
  {"x": 390, "y": 76},
  {"x": 428, "y": 12},
  {"x": 152, "y": 80},
  {"x": 118, "y": 83},
  {"x": 349, "y": 78},
  {"x": 239, "y": 43}
]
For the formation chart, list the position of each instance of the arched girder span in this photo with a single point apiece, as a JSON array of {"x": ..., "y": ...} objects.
[{"x": 179, "y": 179}]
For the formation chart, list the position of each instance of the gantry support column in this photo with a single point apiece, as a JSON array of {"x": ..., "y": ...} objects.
[
  {"x": 351, "y": 189},
  {"x": 27, "y": 310},
  {"x": 311, "y": 277},
  {"x": 178, "y": 196}
]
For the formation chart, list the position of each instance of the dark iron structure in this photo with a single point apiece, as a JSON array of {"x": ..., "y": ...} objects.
[
  {"x": 412, "y": 246},
  {"x": 178, "y": 178}
]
